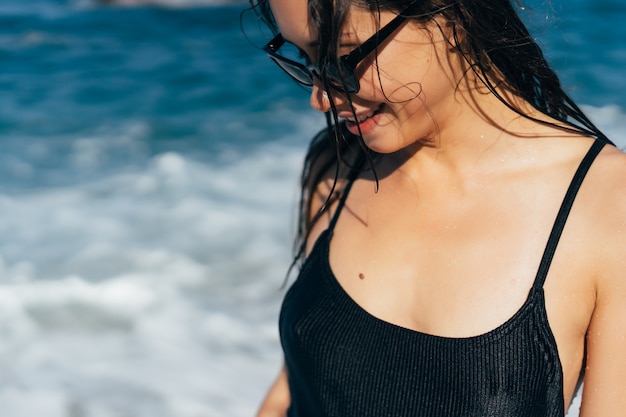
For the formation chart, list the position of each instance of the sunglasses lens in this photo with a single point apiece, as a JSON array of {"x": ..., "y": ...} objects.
[
  {"x": 342, "y": 80},
  {"x": 298, "y": 73}
]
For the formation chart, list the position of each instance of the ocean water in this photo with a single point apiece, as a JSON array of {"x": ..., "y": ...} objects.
[{"x": 148, "y": 177}]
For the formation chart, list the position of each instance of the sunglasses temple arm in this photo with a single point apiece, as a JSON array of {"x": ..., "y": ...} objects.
[{"x": 369, "y": 45}]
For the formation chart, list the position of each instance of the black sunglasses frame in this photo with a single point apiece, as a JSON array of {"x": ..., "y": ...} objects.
[{"x": 342, "y": 78}]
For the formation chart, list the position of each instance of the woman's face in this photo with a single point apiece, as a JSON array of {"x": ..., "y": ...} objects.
[{"x": 406, "y": 85}]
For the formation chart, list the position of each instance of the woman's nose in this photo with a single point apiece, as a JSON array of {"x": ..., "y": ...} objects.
[{"x": 319, "y": 98}]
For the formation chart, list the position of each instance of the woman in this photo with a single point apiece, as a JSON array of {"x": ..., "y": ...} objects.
[{"x": 463, "y": 230}]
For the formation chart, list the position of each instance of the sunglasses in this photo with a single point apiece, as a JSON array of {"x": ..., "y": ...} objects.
[{"x": 340, "y": 75}]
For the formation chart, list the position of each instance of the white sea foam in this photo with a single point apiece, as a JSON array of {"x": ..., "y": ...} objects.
[
  {"x": 612, "y": 120},
  {"x": 149, "y": 293}
]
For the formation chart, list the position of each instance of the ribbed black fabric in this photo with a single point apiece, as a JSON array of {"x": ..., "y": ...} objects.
[{"x": 343, "y": 362}]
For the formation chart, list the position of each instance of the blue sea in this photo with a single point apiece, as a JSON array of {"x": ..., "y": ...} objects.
[{"x": 149, "y": 156}]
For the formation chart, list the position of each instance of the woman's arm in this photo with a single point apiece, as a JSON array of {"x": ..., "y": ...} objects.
[
  {"x": 605, "y": 377},
  {"x": 277, "y": 399}
]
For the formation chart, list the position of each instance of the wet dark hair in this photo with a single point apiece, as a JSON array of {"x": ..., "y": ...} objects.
[{"x": 489, "y": 36}]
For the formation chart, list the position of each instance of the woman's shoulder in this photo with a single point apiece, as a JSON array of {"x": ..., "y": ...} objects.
[
  {"x": 609, "y": 177},
  {"x": 604, "y": 207},
  {"x": 604, "y": 186},
  {"x": 328, "y": 153},
  {"x": 328, "y": 165},
  {"x": 605, "y": 181}
]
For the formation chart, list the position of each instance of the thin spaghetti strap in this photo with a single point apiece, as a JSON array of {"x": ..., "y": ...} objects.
[
  {"x": 564, "y": 211},
  {"x": 354, "y": 172}
]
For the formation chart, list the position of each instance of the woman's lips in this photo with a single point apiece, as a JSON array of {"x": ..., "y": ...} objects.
[{"x": 364, "y": 122}]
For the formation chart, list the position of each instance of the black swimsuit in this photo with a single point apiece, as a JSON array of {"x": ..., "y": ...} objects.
[{"x": 343, "y": 362}]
